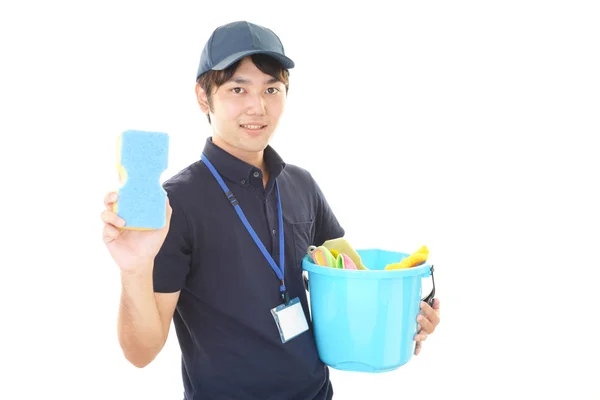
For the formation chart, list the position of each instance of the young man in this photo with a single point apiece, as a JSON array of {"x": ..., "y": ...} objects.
[{"x": 239, "y": 221}]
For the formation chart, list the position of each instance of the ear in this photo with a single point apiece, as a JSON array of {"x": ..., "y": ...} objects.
[{"x": 202, "y": 99}]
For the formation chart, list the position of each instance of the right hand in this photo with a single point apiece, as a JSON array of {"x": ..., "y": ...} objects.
[{"x": 131, "y": 249}]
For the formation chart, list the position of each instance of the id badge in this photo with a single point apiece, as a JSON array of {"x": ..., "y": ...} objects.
[{"x": 290, "y": 320}]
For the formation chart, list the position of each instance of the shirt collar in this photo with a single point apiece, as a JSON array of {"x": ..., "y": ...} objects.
[{"x": 240, "y": 171}]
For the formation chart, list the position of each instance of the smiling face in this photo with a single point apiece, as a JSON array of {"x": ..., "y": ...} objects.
[{"x": 244, "y": 110}]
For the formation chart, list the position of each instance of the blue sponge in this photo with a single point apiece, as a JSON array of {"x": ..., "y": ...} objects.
[{"x": 142, "y": 157}]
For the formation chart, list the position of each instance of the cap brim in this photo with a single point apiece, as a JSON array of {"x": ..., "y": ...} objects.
[{"x": 286, "y": 62}]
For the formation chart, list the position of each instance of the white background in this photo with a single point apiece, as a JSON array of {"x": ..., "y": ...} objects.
[{"x": 467, "y": 126}]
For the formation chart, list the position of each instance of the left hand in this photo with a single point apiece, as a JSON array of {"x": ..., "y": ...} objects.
[{"x": 427, "y": 321}]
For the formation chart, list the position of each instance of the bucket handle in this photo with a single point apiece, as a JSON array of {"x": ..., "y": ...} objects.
[{"x": 428, "y": 299}]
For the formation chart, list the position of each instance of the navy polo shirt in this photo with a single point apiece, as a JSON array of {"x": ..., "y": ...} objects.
[{"x": 231, "y": 348}]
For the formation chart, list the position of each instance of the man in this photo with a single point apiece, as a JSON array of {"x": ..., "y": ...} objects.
[{"x": 216, "y": 269}]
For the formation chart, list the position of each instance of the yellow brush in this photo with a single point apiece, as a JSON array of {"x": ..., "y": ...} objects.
[{"x": 416, "y": 258}]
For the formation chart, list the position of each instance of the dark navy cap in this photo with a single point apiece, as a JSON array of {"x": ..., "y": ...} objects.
[{"x": 236, "y": 40}]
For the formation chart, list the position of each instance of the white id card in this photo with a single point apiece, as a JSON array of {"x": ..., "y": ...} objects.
[{"x": 290, "y": 320}]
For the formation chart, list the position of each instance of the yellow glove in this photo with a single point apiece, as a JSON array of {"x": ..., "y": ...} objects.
[{"x": 416, "y": 258}]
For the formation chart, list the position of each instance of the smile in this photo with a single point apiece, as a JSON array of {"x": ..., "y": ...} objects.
[{"x": 253, "y": 127}]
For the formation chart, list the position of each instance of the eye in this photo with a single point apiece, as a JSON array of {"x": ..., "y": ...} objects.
[
  {"x": 272, "y": 90},
  {"x": 237, "y": 90}
]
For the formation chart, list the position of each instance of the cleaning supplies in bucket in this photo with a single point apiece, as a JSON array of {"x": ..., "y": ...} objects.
[
  {"x": 415, "y": 259},
  {"x": 323, "y": 256},
  {"x": 338, "y": 253},
  {"x": 341, "y": 245}
]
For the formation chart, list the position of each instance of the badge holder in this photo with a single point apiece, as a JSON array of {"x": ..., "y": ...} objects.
[{"x": 290, "y": 319}]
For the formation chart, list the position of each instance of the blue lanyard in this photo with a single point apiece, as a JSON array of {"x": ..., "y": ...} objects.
[{"x": 279, "y": 271}]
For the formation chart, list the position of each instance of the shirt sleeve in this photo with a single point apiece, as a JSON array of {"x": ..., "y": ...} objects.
[
  {"x": 172, "y": 263},
  {"x": 327, "y": 225}
]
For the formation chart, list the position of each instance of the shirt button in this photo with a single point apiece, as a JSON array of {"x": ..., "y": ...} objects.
[
  {"x": 243, "y": 182},
  {"x": 256, "y": 174},
  {"x": 274, "y": 231}
]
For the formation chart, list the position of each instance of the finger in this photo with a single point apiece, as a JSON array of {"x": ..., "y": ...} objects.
[
  {"x": 430, "y": 313},
  {"x": 426, "y": 325},
  {"x": 109, "y": 217},
  {"x": 110, "y": 233},
  {"x": 418, "y": 348},
  {"x": 110, "y": 199},
  {"x": 436, "y": 305},
  {"x": 421, "y": 335}
]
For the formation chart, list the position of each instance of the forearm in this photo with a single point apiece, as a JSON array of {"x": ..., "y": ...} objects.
[{"x": 140, "y": 329}]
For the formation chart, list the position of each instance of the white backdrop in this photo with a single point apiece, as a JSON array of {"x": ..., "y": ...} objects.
[{"x": 466, "y": 126}]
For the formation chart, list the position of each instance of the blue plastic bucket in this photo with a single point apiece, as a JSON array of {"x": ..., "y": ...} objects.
[{"x": 366, "y": 320}]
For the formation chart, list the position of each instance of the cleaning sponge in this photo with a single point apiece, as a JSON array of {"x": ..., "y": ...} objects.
[{"x": 141, "y": 159}]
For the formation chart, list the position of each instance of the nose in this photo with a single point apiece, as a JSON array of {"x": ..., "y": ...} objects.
[{"x": 255, "y": 105}]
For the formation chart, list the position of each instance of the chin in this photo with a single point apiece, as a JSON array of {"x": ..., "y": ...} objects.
[
  {"x": 255, "y": 142},
  {"x": 254, "y": 147}
]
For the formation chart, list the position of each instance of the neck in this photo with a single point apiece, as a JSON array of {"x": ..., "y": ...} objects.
[{"x": 251, "y": 157}]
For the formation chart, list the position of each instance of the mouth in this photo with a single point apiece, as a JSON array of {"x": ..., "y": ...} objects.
[{"x": 253, "y": 128}]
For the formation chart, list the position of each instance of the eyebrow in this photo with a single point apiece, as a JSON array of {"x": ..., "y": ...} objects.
[{"x": 244, "y": 81}]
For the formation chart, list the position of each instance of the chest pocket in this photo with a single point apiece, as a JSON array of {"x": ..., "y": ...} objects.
[{"x": 303, "y": 234}]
